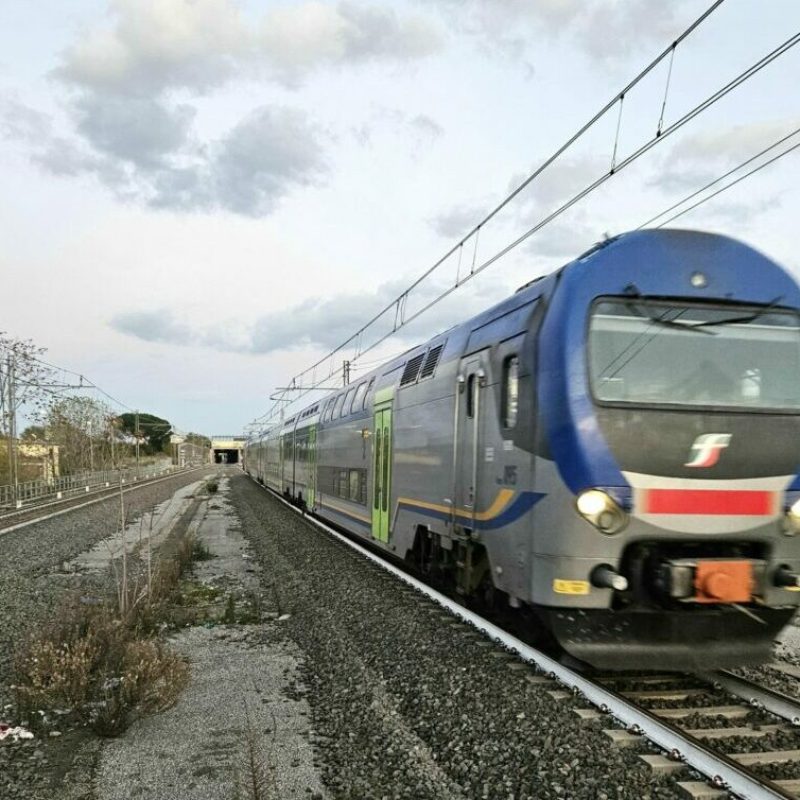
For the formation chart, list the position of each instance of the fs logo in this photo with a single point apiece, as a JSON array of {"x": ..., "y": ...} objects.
[{"x": 706, "y": 449}]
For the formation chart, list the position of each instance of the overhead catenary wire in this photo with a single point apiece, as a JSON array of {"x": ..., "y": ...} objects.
[
  {"x": 727, "y": 174},
  {"x": 395, "y": 303},
  {"x": 727, "y": 186},
  {"x": 661, "y": 134},
  {"x": 89, "y": 384}
]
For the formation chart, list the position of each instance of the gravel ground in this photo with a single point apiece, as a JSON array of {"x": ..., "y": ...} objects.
[
  {"x": 34, "y": 578},
  {"x": 408, "y": 703},
  {"x": 783, "y": 673},
  {"x": 243, "y": 690}
]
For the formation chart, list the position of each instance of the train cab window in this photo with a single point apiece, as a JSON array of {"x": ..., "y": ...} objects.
[
  {"x": 510, "y": 391},
  {"x": 358, "y": 400},
  {"x": 337, "y": 409},
  {"x": 366, "y": 393},
  {"x": 348, "y": 401},
  {"x": 471, "y": 396}
]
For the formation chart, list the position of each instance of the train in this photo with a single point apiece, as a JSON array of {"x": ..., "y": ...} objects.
[{"x": 613, "y": 451}]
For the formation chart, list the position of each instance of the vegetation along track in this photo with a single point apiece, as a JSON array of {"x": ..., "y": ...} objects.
[
  {"x": 13, "y": 520},
  {"x": 742, "y": 737}
]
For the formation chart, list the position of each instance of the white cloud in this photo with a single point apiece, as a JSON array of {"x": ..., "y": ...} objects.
[
  {"x": 138, "y": 130},
  {"x": 317, "y": 323},
  {"x": 148, "y": 46},
  {"x": 130, "y": 130},
  {"x": 566, "y": 237},
  {"x": 151, "y": 45},
  {"x": 271, "y": 150},
  {"x": 297, "y": 39},
  {"x": 701, "y": 157},
  {"x": 559, "y": 182},
  {"x": 145, "y": 154},
  {"x": 458, "y": 221},
  {"x": 605, "y": 30}
]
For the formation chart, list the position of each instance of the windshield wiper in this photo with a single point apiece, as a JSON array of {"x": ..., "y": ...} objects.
[
  {"x": 666, "y": 323},
  {"x": 737, "y": 320}
]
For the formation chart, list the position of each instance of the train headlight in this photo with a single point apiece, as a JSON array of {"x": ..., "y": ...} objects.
[
  {"x": 601, "y": 510},
  {"x": 792, "y": 521}
]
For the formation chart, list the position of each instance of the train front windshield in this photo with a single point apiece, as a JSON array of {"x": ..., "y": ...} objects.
[{"x": 645, "y": 352}]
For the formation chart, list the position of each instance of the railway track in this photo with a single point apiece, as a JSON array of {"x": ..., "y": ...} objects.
[
  {"x": 19, "y": 518},
  {"x": 742, "y": 737}
]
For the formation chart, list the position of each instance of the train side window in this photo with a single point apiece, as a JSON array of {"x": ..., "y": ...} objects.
[
  {"x": 355, "y": 485},
  {"x": 366, "y": 394},
  {"x": 358, "y": 400},
  {"x": 338, "y": 407},
  {"x": 348, "y": 401},
  {"x": 471, "y": 396},
  {"x": 510, "y": 391}
]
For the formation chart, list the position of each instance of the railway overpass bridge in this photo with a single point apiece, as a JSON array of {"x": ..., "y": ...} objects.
[{"x": 227, "y": 449}]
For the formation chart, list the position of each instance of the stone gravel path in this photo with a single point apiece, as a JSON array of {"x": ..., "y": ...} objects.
[{"x": 242, "y": 700}]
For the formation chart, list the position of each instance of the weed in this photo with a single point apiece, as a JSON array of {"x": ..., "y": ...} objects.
[
  {"x": 200, "y": 552},
  {"x": 212, "y": 486},
  {"x": 255, "y": 779},
  {"x": 92, "y": 663},
  {"x": 100, "y": 661},
  {"x": 229, "y": 617}
]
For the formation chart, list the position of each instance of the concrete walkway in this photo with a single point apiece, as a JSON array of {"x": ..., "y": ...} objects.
[{"x": 237, "y": 711}]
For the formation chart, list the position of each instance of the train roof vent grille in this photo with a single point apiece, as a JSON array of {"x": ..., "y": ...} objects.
[
  {"x": 431, "y": 361},
  {"x": 411, "y": 370}
]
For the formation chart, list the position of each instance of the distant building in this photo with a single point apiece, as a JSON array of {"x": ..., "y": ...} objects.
[
  {"x": 187, "y": 454},
  {"x": 227, "y": 449},
  {"x": 35, "y": 459}
]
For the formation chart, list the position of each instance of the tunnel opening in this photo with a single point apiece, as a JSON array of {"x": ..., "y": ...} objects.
[{"x": 225, "y": 456}]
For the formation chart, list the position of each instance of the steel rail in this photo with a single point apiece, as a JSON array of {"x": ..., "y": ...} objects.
[
  {"x": 105, "y": 494},
  {"x": 757, "y": 696},
  {"x": 722, "y": 771}
]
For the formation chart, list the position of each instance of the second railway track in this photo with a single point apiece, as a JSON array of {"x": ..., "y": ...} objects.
[
  {"x": 19, "y": 518},
  {"x": 743, "y": 738}
]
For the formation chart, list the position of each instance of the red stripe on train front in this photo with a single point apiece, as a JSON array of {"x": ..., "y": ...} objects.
[{"x": 718, "y": 502}]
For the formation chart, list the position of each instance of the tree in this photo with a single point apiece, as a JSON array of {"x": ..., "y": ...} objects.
[
  {"x": 34, "y": 433},
  {"x": 155, "y": 430},
  {"x": 25, "y": 381},
  {"x": 198, "y": 438},
  {"x": 83, "y": 429}
]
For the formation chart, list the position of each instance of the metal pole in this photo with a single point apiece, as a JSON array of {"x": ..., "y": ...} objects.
[
  {"x": 12, "y": 429},
  {"x": 111, "y": 433},
  {"x": 7, "y": 404},
  {"x": 137, "y": 443},
  {"x": 91, "y": 449}
]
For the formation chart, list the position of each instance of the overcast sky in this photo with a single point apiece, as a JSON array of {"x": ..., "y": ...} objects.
[{"x": 199, "y": 197}]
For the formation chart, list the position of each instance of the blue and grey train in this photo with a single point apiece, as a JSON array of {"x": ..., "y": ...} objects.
[{"x": 614, "y": 450}]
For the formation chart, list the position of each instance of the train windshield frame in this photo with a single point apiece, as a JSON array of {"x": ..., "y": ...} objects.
[{"x": 694, "y": 355}]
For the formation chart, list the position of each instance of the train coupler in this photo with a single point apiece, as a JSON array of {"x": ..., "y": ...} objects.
[{"x": 712, "y": 580}]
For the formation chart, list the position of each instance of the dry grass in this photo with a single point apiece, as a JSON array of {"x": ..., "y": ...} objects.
[
  {"x": 101, "y": 663},
  {"x": 94, "y": 665},
  {"x": 254, "y": 778}
]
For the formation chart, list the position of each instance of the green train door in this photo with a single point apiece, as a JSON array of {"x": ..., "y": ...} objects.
[
  {"x": 311, "y": 464},
  {"x": 382, "y": 464}
]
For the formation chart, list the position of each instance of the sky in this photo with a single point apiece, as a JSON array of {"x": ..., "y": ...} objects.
[{"x": 200, "y": 198}]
